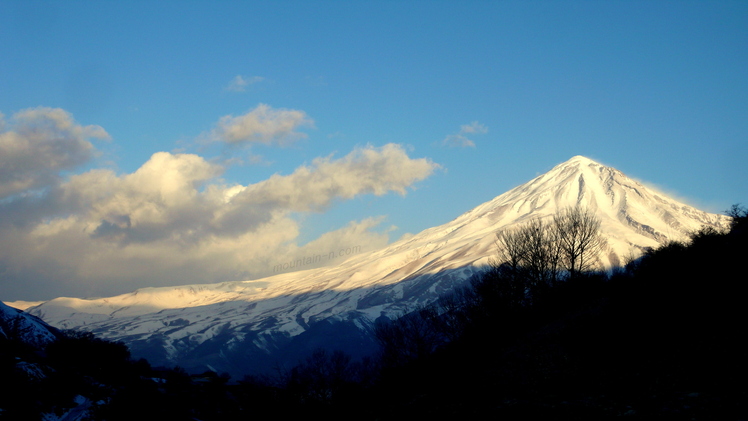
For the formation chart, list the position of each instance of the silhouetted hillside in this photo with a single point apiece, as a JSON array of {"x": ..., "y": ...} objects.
[{"x": 660, "y": 339}]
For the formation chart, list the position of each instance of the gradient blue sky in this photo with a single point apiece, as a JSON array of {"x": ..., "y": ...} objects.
[{"x": 473, "y": 98}]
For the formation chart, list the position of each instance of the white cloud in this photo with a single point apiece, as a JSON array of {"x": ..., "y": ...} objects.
[
  {"x": 460, "y": 139},
  {"x": 364, "y": 170},
  {"x": 473, "y": 127},
  {"x": 173, "y": 221},
  {"x": 161, "y": 200},
  {"x": 240, "y": 84},
  {"x": 263, "y": 124},
  {"x": 38, "y": 144}
]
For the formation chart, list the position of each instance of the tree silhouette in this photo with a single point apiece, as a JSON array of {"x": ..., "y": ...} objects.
[
  {"x": 577, "y": 232},
  {"x": 529, "y": 252}
]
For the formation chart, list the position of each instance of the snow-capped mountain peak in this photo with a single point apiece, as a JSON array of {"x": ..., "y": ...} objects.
[{"x": 239, "y": 326}]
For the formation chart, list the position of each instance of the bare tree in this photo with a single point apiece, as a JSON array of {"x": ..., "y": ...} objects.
[
  {"x": 512, "y": 247},
  {"x": 579, "y": 239},
  {"x": 572, "y": 242},
  {"x": 529, "y": 251},
  {"x": 542, "y": 255}
]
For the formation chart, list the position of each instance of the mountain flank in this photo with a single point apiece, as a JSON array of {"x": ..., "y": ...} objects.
[{"x": 250, "y": 326}]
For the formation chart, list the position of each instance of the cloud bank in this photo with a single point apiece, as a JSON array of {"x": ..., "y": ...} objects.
[
  {"x": 38, "y": 144},
  {"x": 173, "y": 221}
]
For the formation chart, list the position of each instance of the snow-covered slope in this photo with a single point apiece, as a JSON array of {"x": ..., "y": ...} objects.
[
  {"x": 19, "y": 326},
  {"x": 241, "y": 326}
]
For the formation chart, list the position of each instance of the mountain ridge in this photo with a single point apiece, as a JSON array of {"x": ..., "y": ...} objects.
[
  {"x": 18, "y": 325},
  {"x": 221, "y": 322}
]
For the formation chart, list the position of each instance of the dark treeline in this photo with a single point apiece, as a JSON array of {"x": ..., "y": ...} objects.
[{"x": 662, "y": 338}]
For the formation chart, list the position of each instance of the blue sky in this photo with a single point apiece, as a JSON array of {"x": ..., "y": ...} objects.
[{"x": 137, "y": 134}]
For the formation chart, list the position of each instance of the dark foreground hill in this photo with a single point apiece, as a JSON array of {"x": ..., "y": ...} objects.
[{"x": 662, "y": 339}]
